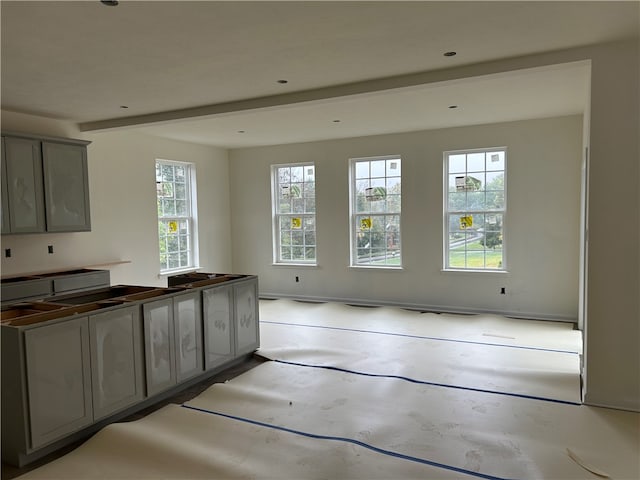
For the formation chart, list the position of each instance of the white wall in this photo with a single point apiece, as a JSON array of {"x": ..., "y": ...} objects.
[
  {"x": 613, "y": 296},
  {"x": 543, "y": 188},
  {"x": 123, "y": 209}
]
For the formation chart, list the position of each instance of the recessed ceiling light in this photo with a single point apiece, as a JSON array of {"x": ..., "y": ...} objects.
[
  {"x": 283, "y": 81},
  {"x": 450, "y": 54},
  {"x": 110, "y": 3}
]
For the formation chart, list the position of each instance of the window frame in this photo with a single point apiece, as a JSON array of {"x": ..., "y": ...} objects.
[
  {"x": 191, "y": 218},
  {"x": 354, "y": 229},
  {"x": 277, "y": 216},
  {"x": 448, "y": 212}
]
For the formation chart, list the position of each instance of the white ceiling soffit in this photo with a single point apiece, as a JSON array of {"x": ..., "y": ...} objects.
[
  {"x": 81, "y": 61},
  {"x": 524, "y": 94}
]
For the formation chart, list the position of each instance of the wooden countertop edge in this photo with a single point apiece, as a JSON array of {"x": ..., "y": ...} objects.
[{"x": 62, "y": 270}]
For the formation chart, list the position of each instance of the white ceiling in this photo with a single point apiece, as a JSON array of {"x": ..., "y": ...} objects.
[{"x": 203, "y": 71}]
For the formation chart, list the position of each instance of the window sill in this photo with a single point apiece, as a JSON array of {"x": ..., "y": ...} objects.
[
  {"x": 464, "y": 270},
  {"x": 377, "y": 267},
  {"x": 293, "y": 264},
  {"x": 169, "y": 273}
]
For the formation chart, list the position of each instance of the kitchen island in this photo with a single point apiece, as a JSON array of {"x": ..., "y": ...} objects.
[{"x": 76, "y": 362}]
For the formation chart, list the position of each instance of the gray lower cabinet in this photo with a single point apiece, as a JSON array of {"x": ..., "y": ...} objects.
[
  {"x": 116, "y": 360},
  {"x": 58, "y": 371},
  {"x": 65, "y": 374},
  {"x": 245, "y": 298},
  {"x": 187, "y": 313},
  {"x": 217, "y": 308},
  {"x": 159, "y": 345}
]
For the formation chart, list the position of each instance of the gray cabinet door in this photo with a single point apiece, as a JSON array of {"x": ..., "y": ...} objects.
[
  {"x": 245, "y": 297},
  {"x": 6, "y": 228},
  {"x": 116, "y": 360},
  {"x": 217, "y": 308},
  {"x": 159, "y": 345},
  {"x": 58, "y": 380},
  {"x": 25, "y": 200},
  {"x": 66, "y": 187},
  {"x": 187, "y": 315}
]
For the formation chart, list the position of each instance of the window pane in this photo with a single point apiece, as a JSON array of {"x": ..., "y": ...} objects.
[
  {"x": 393, "y": 167},
  {"x": 309, "y": 174},
  {"x": 168, "y": 207},
  {"x": 182, "y": 208},
  {"x": 173, "y": 198},
  {"x": 495, "y": 181},
  {"x": 376, "y": 193},
  {"x": 362, "y": 170},
  {"x": 295, "y": 206},
  {"x": 475, "y": 162},
  {"x": 180, "y": 173},
  {"x": 310, "y": 205},
  {"x": 457, "y": 163},
  {"x": 285, "y": 253},
  {"x": 475, "y": 208},
  {"x": 181, "y": 191},
  {"x": 495, "y": 161},
  {"x": 297, "y": 174},
  {"x": 378, "y": 168},
  {"x": 393, "y": 185}
]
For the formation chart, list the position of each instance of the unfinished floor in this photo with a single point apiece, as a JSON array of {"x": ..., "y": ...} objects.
[{"x": 363, "y": 393}]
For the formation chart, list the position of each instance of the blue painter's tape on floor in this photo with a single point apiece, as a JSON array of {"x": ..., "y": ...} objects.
[
  {"x": 420, "y": 337},
  {"x": 350, "y": 440},
  {"x": 423, "y": 382}
]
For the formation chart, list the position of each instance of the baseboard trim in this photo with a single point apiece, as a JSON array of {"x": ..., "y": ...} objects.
[
  {"x": 421, "y": 307},
  {"x": 625, "y": 408}
]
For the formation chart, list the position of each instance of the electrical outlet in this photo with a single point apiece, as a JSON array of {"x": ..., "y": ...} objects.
[
  {"x": 297, "y": 279},
  {"x": 503, "y": 291},
  {"x": 50, "y": 248},
  {"x": 7, "y": 252}
]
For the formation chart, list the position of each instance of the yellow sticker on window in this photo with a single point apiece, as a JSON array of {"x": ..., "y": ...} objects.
[
  {"x": 365, "y": 224},
  {"x": 466, "y": 221},
  {"x": 173, "y": 226},
  {"x": 296, "y": 223}
]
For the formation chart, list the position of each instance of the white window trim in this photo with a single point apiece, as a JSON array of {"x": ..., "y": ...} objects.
[
  {"x": 445, "y": 216},
  {"x": 353, "y": 248},
  {"x": 193, "y": 220},
  {"x": 275, "y": 232}
]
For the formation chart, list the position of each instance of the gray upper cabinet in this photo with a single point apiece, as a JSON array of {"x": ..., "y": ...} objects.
[
  {"x": 58, "y": 380},
  {"x": 44, "y": 185},
  {"x": 116, "y": 360},
  {"x": 6, "y": 228},
  {"x": 24, "y": 191},
  {"x": 66, "y": 187}
]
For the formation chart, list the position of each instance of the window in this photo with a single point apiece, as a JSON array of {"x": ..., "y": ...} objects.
[
  {"x": 294, "y": 213},
  {"x": 175, "y": 189},
  {"x": 475, "y": 208},
  {"x": 375, "y": 211}
]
